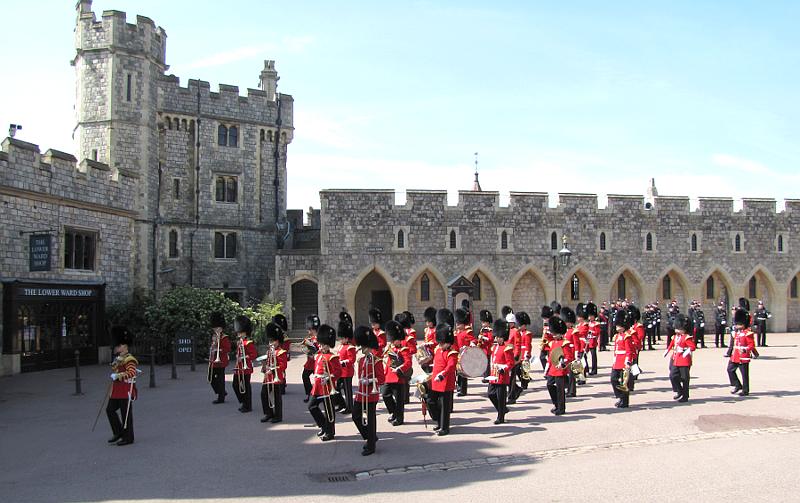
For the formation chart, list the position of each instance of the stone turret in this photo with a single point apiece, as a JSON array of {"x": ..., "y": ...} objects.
[
  {"x": 268, "y": 81},
  {"x": 651, "y": 195}
]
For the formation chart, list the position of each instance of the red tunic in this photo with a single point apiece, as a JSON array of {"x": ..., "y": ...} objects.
[
  {"x": 501, "y": 363},
  {"x": 326, "y": 371},
  {"x": 637, "y": 336},
  {"x": 516, "y": 342},
  {"x": 250, "y": 354},
  {"x": 743, "y": 346},
  {"x": 224, "y": 351},
  {"x": 486, "y": 340},
  {"x": 393, "y": 355},
  {"x": 444, "y": 363},
  {"x": 679, "y": 344},
  {"x": 572, "y": 341},
  {"x": 525, "y": 344},
  {"x": 347, "y": 359},
  {"x": 569, "y": 355},
  {"x": 430, "y": 337},
  {"x": 369, "y": 385},
  {"x": 381, "y": 336},
  {"x": 593, "y": 337},
  {"x": 125, "y": 368},
  {"x": 624, "y": 352},
  {"x": 582, "y": 329},
  {"x": 464, "y": 338},
  {"x": 411, "y": 341},
  {"x": 309, "y": 364},
  {"x": 547, "y": 338},
  {"x": 279, "y": 375}
]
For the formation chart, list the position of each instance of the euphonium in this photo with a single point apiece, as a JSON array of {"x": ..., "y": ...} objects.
[{"x": 526, "y": 369}]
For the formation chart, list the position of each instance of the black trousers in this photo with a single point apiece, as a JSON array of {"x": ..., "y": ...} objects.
[
  {"x": 658, "y": 330},
  {"x": 543, "y": 359},
  {"x": 572, "y": 384},
  {"x": 368, "y": 432},
  {"x": 117, "y": 420},
  {"x": 679, "y": 377},
  {"x": 393, "y": 395},
  {"x": 218, "y": 382},
  {"x": 744, "y": 368},
  {"x": 675, "y": 389},
  {"x": 344, "y": 399},
  {"x": 497, "y": 395},
  {"x": 762, "y": 333},
  {"x": 514, "y": 389},
  {"x": 440, "y": 404},
  {"x": 616, "y": 377},
  {"x": 307, "y": 380},
  {"x": 461, "y": 385},
  {"x": 322, "y": 410},
  {"x": 651, "y": 337},
  {"x": 719, "y": 335},
  {"x": 593, "y": 352},
  {"x": 556, "y": 386},
  {"x": 632, "y": 378},
  {"x": 700, "y": 336},
  {"x": 276, "y": 411},
  {"x": 604, "y": 338},
  {"x": 246, "y": 398}
]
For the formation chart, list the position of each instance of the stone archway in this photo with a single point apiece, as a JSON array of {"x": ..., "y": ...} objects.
[
  {"x": 629, "y": 287},
  {"x": 793, "y": 303},
  {"x": 528, "y": 294},
  {"x": 672, "y": 284},
  {"x": 373, "y": 292},
  {"x": 586, "y": 287},
  {"x": 425, "y": 282},
  {"x": 717, "y": 287},
  {"x": 485, "y": 294}
]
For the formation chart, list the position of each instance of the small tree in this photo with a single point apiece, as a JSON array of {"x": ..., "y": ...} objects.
[{"x": 260, "y": 315}]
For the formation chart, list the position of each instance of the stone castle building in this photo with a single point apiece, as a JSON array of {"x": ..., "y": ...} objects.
[{"x": 175, "y": 185}]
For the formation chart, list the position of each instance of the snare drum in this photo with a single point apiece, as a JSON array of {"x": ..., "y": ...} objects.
[{"x": 472, "y": 362}]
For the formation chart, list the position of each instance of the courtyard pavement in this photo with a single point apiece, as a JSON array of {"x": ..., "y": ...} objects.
[{"x": 714, "y": 448}]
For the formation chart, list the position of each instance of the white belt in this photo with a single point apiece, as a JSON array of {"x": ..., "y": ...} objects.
[
  {"x": 620, "y": 352},
  {"x": 321, "y": 376}
]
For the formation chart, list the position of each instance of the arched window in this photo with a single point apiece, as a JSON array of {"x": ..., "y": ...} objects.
[
  {"x": 424, "y": 288},
  {"x": 737, "y": 243},
  {"x": 793, "y": 288},
  {"x": 621, "y": 287},
  {"x": 220, "y": 188},
  {"x": 476, "y": 281},
  {"x": 173, "y": 243},
  {"x": 452, "y": 240},
  {"x": 602, "y": 241},
  {"x": 184, "y": 124},
  {"x": 666, "y": 288},
  {"x": 553, "y": 241},
  {"x": 401, "y": 239},
  {"x": 269, "y": 135},
  {"x": 191, "y": 127},
  {"x": 222, "y": 135},
  {"x": 169, "y": 122},
  {"x": 504, "y": 240},
  {"x": 710, "y": 288},
  {"x": 752, "y": 290},
  {"x": 648, "y": 242},
  {"x": 575, "y": 290},
  {"x": 233, "y": 136},
  {"x": 694, "y": 242},
  {"x": 780, "y": 243}
]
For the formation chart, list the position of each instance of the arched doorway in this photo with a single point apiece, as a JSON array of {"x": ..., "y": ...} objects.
[
  {"x": 305, "y": 295},
  {"x": 793, "y": 305},
  {"x": 626, "y": 285},
  {"x": 577, "y": 287},
  {"x": 373, "y": 292},
  {"x": 426, "y": 290},
  {"x": 670, "y": 286},
  {"x": 529, "y": 295},
  {"x": 716, "y": 288}
]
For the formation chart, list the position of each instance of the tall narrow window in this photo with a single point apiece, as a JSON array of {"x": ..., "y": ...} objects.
[
  {"x": 401, "y": 239},
  {"x": 79, "y": 250},
  {"x": 602, "y": 241},
  {"x": 666, "y": 287},
  {"x": 224, "y": 245},
  {"x": 752, "y": 290},
  {"x": 129, "y": 87},
  {"x": 710, "y": 287},
  {"x": 176, "y": 188},
  {"x": 220, "y": 188},
  {"x": 476, "y": 282},
  {"x": 424, "y": 288},
  {"x": 621, "y": 287},
  {"x": 780, "y": 243},
  {"x": 694, "y": 242},
  {"x": 233, "y": 136},
  {"x": 737, "y": 243},
  {"x": 504, "y": 240},
  {"x": 648, "y": 242},
  {"x": 575, "y": 291},
  {"x": 453, "y": 240},
  {"x": 553, "y": 241},
  {"x": 173, "y": 243},
  {"x": 222, "y": 135},
  {"x": 793, "y": 288},
  {"x": 226, "y": 189}
]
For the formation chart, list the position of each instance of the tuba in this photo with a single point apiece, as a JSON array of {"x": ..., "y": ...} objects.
[
  {"x": 623, "y": 384},
  {"x": 526, "y": 369},
  {"x": 576, "y": 367}
]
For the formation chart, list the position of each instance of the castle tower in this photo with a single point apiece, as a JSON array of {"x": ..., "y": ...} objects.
[
  {"x": 268, "y": 81},
  {"x": 650, "y": 196}
]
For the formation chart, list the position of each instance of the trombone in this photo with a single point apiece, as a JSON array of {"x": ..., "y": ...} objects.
[
  {"x": 243, "y": 360},
  {"x": 330, "y": 414},
  {"x": 270, "y": 364},
  {"x": 214, "y": 348},
  {"x": 370, "y": 371}
]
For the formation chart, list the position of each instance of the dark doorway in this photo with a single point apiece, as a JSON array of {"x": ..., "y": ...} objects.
[
  {"x": 304, "y": 302},
  {"x": 373, "y": 292}
]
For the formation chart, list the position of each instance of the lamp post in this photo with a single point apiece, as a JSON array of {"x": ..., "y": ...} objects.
[{"x": 562, "y": 259}]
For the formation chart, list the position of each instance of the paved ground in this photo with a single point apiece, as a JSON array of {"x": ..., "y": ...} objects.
[{"x": 188, "y": 449}]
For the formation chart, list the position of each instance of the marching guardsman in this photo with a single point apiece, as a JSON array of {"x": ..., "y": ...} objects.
[
  {"x": 283, "y": 324},
  {"x": 721, "y": 323},
  {"x": 547, "y": 337},
  {"x": 326, "y": 371},
  {"x": 558, "y": 359},
  {"x": 464, "y": 338},
  {"x": 311, "y": 348},
  {"x": 123, "y": 388},
  {"x": 246, "y": 353},
  {"x": 443, "y": 378},
  {"x": 486, "y": 336},
  {"x": 636, "y": 331},
  {"x": 501, "y": 363},
  {"x": 397, "y": 362},
  {"x": 376, "y": 322},
  {"x": 525, "y": 338},
  {"x": 274, "y": 369},
  {"x": 761, "y": 317},
  {"x": 514, "y": 338},
  {"x": 741, "y": 350},
  {"x": 407, "y": 321},
  {"x": 682, "y": 345},
  {"x": 347, "y": 359},
  {"x": 370, "y": 380},
  {"x": 582, "y": 329},
  {"x": 219, "y": 354},
  {"x": 430, "y": 336},
  {"x": 624, "y": 354},
  {"x": 595, "y": 333},
  {"x": 571, "y": 344}
]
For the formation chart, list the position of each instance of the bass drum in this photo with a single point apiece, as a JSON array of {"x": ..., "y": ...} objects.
[{"x": 472, "y": 362}]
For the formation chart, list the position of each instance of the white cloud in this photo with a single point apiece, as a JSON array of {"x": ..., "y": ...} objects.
[
  {"x": 730, "y": 161},
  {"x": 290, "y": 45}
]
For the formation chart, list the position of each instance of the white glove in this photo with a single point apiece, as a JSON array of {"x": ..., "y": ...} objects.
[
  {"x": 723, "y": 322},
  {"x": 113, "y": 376},
  {"x": 702, "y": 325},
  {"x": 687, "y": 352}
]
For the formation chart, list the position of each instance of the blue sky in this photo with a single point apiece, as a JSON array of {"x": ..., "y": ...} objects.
[{"x": 575, "y": 96}]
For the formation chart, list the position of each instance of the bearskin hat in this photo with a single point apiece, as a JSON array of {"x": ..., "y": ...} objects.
[
  {"x": 741, "y": 317},
  {"x": 430, "y": 314},
  {"x": 461, "y": 316},
  {"x": 365, "y": 337},
  {"x": 580, "y": 310},
  {"x": 242, "y": 324},
  {"x": 547, "y": 312},
  {"x": 274, "y": 332},
  {"x": 523, "y": 318},
  {"x": 622, "y": 319},
  {"x": 444, "y": 333},
  {"x": 120, "y": 336},
  {"x": 445, "y": 316},
  {"x": 281, "y": 321},
  {"x": 403, "y": 319},
  {"x": 394, "y": 331},
  {"x": 344, "y": 330},
  {"x": 505, "y": 310},
  {"x": 217, "y": 319},
  {"x": 568, "y": 314},
  {"x": 557, "y": 326},
  {"x": 486, "y": 315},
  {"x": 375, "y": 316},
  {"x": 410, "y": 316},
  {"x": 682, "y": 322},
  {"x": 556, "y": 307},
  {"x": 591, "y": 309},
  {"x": 744, "y": 303},
  {"x": 500, "y": 329},
  {"x": 634, "y": 313},
  {"x": 313, "y": 322},
  {"x": 344, "y": 317},
  {"x": 326, "y": 335}
]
